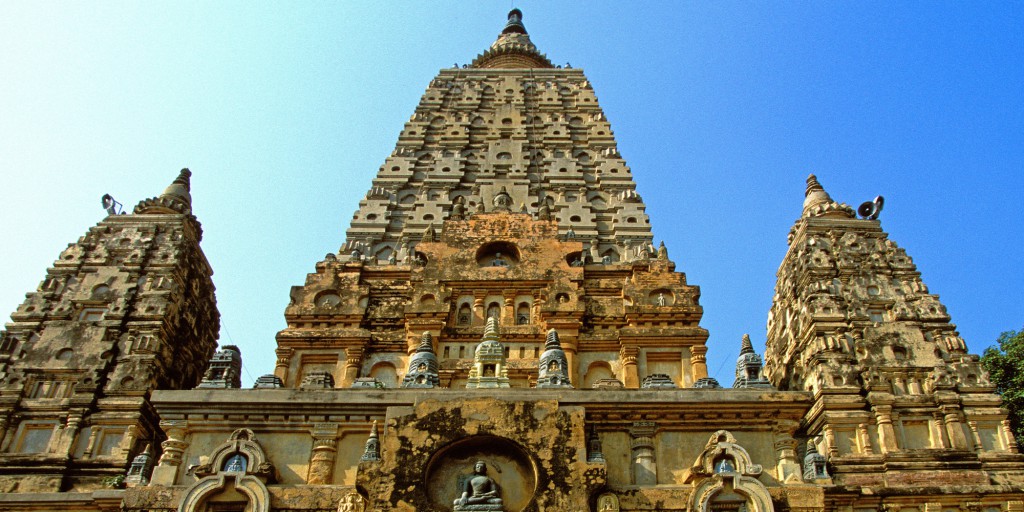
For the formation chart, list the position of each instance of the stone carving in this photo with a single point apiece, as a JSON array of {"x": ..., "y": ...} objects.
[
  {"x": 268, "y": 381},
  {"x": 317, "y": 380},
  {"x": 479, "y": 491},
  {"x": 352, "y": 502},
  {"x": 139, "y": 471},
  {"x": 594, "y": 453},
  {"x": 608, "y": 502},
  {"x": 707, "y": 383},
  {"x": 502, "y": 201},
  {"x": 658, "y": 381}
]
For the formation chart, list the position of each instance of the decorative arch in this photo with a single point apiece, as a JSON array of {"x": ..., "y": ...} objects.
[
  {"x": 225, "y": 473},
  {"x": 386, "y": 372},
  {"x": 255, "y": 493},
  {"x": 724, "y": 471}
]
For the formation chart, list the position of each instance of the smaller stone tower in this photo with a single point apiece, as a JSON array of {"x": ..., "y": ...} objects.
[
  {"x": 423, "y": 366},
  {"x": 554, "y": 367},
  {"x": 749, "y": 370},
  {"x": 489, "y": 369}
]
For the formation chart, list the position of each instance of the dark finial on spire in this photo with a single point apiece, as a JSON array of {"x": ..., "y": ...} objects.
[
  {"x": 515, "y": 23},
  {"x": 426, "y": 343},
  {"x": 552, "y": 341},
  {"x": 746, "y": 347}
]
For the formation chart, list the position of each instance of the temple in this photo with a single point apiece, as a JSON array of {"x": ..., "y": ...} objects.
[{"x": 498, "y": 331}]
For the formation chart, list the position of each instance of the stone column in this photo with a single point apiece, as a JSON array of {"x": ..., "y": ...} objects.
[
  {"x": 353, "y": 361},
  {"x": 955, "y": 431},
  {"x": 830, "y": 441},
  {"x": 284, "y": 360},
  {"x": 698, "y": 362},
  {"x": 864, "y": 440},
  {"x": 479, "y": 315},
  {"x": 938, "y": 430},
  {"x": 67, "y": 441},
  {"x": 508, "y": 314},
  {"x": 787, "y": 465},
  {"x": 886, "y": 434},
  {"x": 321, "y": 461},
  {"x": 645, "y": 469},
  {"x": 630, "y": 373},
  {"x": 166, "y": 472},
  {"x": 1008, "y": 437},
  {"x": 4, "y": 423},
  {"x": 975, "y": 436}
]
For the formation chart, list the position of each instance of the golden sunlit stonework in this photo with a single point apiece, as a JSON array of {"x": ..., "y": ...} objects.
[{"x": 498, "y": 332}]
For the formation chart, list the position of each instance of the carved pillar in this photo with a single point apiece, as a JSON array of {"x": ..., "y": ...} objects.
[
  {"x": 70, "y": 432},
  {"x": 975, "y": 436},
  {"x": 645, "y": 469},
  {"x": 886, "y": 434},
  {"x": 938, "y": 430},
  {"x": 788, "y": 467},
  {"x": 4, "y": 423},
  {"x": 570, "y": 346},
  {"x": 478, "y": 309},
  {"x": 321, "y": 461},
  {"x": 174, "y": 447},
  {"x": 284, "y": 360},
  {"x": 830, "y": 441},
  {"x": 898, "y": 385},
  {"x": 630, "y": 373},
  {"x": 955, "y": 431},
  {"x": 353, "y": 361},
  {"x": 699, "y": 362},
  {"x": 1008, "y": 437},
  {"x": 508, "y": 314},
  {"x": 864, "y": 440},
  {"x": 90, "y": 445}
]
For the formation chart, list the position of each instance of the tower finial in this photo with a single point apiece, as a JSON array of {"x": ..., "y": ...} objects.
[
  {"x": 552, "y": 341},
  {"x": 818, "y": 203},
  {"x": 515, "y": 23},
  {"x": 180, "y": 187}
]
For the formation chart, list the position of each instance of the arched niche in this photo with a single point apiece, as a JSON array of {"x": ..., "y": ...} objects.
[
  {"x": 241, "y": 446},
  {"x": 226, "y": 488},
  {"x": 724, "y": 475},
  {"x": 597, "y": 371},
  {"x": 497, "y": 254},
  {"x": 386, "y": 373},
  {"x": 508, "y": 464}
]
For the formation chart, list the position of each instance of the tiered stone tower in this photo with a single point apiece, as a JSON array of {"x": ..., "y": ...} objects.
[
  {"x": 898, "y": 400},
  {"x": 127, "y": 309},
  {"x": 504, "y": 197}
]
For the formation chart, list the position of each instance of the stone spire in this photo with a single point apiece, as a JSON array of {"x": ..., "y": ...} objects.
[
  {"x": 554, "y": 366},
  {"x": 371, "y": 451},
  {"x": 749, "y": 372},
  {"x": 818, "y": 203},
  {"x": 175, "y": 199},
  {"x": 489, "y": 368},
  {"x": 423, "y": 366}
]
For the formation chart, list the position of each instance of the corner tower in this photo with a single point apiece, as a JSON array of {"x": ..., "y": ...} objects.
[
  {"x": 896, "y": 391},
  {"x": 126, "y": 309},
  {"x": 505, "y": 197}
]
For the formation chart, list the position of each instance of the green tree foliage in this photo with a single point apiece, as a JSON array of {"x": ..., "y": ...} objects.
[{"x": 1005, "y": 363}]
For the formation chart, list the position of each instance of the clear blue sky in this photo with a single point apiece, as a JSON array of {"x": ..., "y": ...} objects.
[{"x": 284, "y": 111}]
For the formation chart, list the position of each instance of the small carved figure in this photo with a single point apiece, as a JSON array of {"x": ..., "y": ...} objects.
[
  {"x": 498, "y": 261},
  {"x": 479, "y": 489},
  {"x": 235, "y": 463},
  {"x": 661, "y": 299}
]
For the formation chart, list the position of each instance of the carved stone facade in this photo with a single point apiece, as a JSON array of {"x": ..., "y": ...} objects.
[
  {"x": 499, "y": 300},
  {"x": 126, "y": 309}
]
